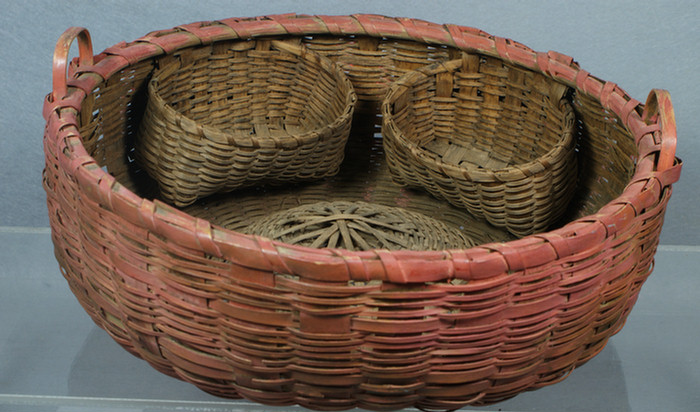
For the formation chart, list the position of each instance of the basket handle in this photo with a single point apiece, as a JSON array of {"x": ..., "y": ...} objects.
[
  {"x": 60, "y": 57},
  {"x": 659, "y": 109}
]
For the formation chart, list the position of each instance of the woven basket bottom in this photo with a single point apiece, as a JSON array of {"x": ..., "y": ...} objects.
[
  {"x": 363, "y": 177},
  {"x": 358, "y": 226}
]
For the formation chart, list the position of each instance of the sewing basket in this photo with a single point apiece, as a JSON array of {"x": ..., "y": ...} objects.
[{"x": 242, "y": 315}]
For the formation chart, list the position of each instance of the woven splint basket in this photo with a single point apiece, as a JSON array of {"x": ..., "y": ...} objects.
[
  {"x": 487, "y": 136},
  {"x": 251, "y": 112},
  {"x": 242, "y": 315}
]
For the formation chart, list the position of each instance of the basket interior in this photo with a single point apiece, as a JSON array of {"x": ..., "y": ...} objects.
[
  {"x": 478, "y": 112},
  {"x": 112, "y": 112}
]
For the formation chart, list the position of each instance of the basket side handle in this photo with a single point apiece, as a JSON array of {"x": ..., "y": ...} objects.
[
  {"x": 60, "y": 57},
  {"x": 659, "y": 109}
]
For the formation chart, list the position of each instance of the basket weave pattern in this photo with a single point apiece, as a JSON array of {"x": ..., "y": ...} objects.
[
  {"x": 490, "y": 137},
  {"x": 252, "y": 112},
  {"x": 358, "y": 226},
  {"x": 240, "y": 315}
]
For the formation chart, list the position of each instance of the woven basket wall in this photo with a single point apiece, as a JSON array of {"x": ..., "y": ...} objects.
[{"x": 244, "y": 316}]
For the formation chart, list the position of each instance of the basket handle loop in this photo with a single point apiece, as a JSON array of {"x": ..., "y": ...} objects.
[
  {"x": 60, "y": 57},
  {"x": 658, "y": 109}
]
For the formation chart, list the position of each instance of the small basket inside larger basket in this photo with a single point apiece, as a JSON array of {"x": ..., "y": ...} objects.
[
  {"x": 244, "y": 316},
  {"x": 245, "y": 113},
  {"x": 491, "y": 137}
]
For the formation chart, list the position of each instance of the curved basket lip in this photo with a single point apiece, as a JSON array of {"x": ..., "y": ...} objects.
[
  {"x": 485, "y": 175},
  {"x": 308, "y": 135},
  {"x": 481, "y": 262}
]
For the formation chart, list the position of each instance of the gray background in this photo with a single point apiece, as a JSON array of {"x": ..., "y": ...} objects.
[
  {"x": 637, "y": 44},
  {"x": 53, "y": 358}
]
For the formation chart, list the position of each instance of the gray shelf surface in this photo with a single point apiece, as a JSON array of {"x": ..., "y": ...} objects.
[{"x": 53, "y": 358}]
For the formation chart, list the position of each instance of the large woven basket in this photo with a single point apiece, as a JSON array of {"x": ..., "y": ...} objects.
[
  {"x": 487, "y": 136},
  {"x": 252, "y": 112},
  {"x": 243, "y": 316}
]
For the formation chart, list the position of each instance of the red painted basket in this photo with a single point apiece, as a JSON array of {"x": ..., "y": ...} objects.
[{"x": 243, "y": 316}]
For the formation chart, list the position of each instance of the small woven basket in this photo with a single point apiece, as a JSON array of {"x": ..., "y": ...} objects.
[
  {"x": 494, "y": 138},
  {"x": 252, "y": 112},
  {"x": 242, "y": 315}
]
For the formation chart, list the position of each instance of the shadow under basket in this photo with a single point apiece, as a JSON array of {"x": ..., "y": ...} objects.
[
  {"x": 487, "y": 136},
  {"x": 243, "y": 315}
]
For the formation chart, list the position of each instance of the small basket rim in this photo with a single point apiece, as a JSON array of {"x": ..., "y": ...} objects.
[
  {"x": 295, "y": 140},
  {"x": 648, "y": 182},
  {"x": 475, "y": 173}
]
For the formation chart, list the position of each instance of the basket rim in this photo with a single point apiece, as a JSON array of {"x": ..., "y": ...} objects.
[
  {"x": 473, "y": 172},
  {"x": 295, "y": 140},
  {"x": 656, "y": 168}
]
